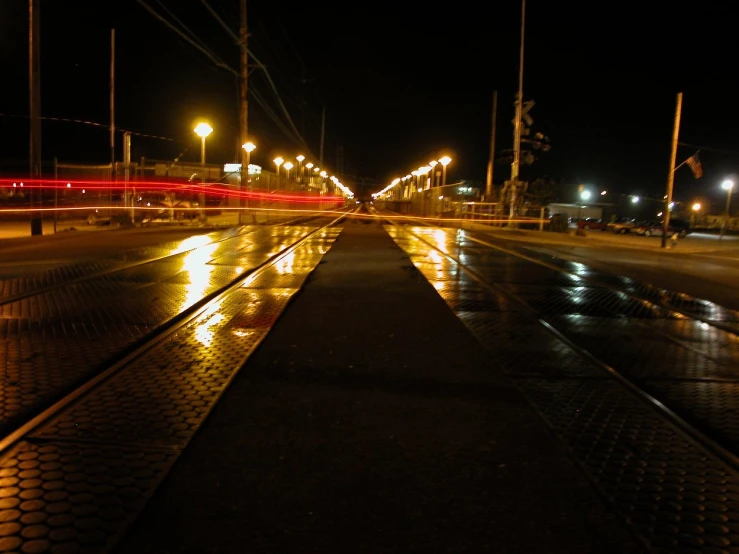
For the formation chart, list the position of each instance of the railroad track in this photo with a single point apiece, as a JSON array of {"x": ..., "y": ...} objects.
[
  {"x": 74, "y": 475},
  {"x": 644, "y": 392},
  {"x": 56, "y": 335}
]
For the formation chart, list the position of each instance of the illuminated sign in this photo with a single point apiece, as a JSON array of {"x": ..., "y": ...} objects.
[{"x": 236, "y": 168}]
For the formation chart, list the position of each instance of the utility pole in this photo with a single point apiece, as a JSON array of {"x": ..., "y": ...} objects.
[
  {"x": 243, "y": 110},
  {"x": 517, "y": 121},
  {"x": 491, "y": 162},
  {"x": 34, "y": 85},
  {"x": 112, "y": 118},
  {"x": 323, "y": 135},
  {"x": 671, "y": 174}
]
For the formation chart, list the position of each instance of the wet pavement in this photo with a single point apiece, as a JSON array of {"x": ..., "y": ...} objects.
[
  {"x": 374, "y": 390},
  {"x": 371, "y": 420}
]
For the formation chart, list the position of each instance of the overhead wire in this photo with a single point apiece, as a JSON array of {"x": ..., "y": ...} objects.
[{"x": 200, "y": 46}]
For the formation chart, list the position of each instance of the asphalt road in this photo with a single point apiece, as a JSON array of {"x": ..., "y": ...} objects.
[{"x": 701, "y": 265}]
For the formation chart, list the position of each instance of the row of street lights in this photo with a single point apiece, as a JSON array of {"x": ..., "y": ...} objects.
[
  {"x": 418, "y": 174},
  {"x": 203, "y": 130},
  {"x": 314, "y": 171}
]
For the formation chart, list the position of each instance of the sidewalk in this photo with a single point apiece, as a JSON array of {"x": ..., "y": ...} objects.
[
  {"x": 371, "y": 420},
  {"x": 693, "y": 243}
]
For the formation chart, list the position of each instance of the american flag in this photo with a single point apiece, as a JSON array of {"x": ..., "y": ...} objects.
[{"x": 694, "y": 163}]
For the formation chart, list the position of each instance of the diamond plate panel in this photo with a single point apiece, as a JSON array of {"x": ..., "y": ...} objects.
[
  {"x": 151, "y": 272},
  {"x": 711, "y": 406},
  {"x": 163, "y": 397},
  {"x": 544, "y": 356},
  {"x": 637, "y": 352},
  {"x": 592, "y": 301},
  {"x": 667, "y": 488},
  {"x": 478, "y": 301},
  {"x": 65, "y": 498},
  {"x": 211, "y": 275},
  {"x": 246, "y": 260}
]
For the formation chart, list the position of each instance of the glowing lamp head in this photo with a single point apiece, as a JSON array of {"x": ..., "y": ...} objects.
[
  {"x": 727, "y": 185},
  {"x": 696, "y": 207},
  {"x": 300, "y": 158},
  {"x": 203, "y": 130},
  {"x": 278, "y": 161},
  {"x": 309, "y": 165},
  {"x": 445, "y": 161},
  {"x": 433, "y": 163},
  {"x": 288, "y": 165},
  {"x": 323, "y": 174},
  {"x": 249, "y": 147}
]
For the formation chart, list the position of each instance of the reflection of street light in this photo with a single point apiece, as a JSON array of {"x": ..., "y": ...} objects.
[
  {"x": 202, "y": 130},
  {"x": 727, "y": 186},
  {"x": 445, "y": 161},
  {"x": 288, "y": 166}
]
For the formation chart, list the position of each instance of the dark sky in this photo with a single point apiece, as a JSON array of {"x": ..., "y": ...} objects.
[{"x": 402, "y": 82}]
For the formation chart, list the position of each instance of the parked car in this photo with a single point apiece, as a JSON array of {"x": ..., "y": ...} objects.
[
  {"x": 655, "y": 228},
  {"x": 621, "y": 225},
  {"x": 591, "y": 223},
  {"x": 647, "y": 228}
]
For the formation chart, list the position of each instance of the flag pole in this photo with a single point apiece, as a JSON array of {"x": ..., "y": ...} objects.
[{"x": 671, "y": 173}]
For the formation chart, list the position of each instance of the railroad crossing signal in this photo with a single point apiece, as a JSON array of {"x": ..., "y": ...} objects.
[{"x": 525, "y": 117}]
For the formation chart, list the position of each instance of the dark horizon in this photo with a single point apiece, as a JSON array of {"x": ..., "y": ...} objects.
[{"x": 399, "y": 88}]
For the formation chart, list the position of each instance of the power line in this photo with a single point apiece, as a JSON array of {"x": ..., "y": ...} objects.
[
  {"x": 217, "y": 61},
  {"x": 92, "y": 124},
  {"x": 197, "y": 43}
]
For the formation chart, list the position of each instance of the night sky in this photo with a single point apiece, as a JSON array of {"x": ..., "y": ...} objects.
[{"x": 402, "y": 82}]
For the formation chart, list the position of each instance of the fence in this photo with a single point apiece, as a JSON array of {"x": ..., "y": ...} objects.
[{"x": 163, "y": 191}]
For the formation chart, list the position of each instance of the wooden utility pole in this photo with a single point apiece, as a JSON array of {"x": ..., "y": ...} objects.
[
  {"x": 517, "y": 121},
  {"x": 112, "y": 119},
  {"x": 671, "y": 174},
  {"x": 243, "y": 110},
  {"x": 34, "y": 86},
  {"x": 491, "y": 161}
]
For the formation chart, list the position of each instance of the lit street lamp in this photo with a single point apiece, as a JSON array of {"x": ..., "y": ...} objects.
[
  {"x": 300, "y": 159},
  {"x": 309, "y": 166},
  {"x": 203, "y": 130},
  {"x": 696, "y": 209},
  {"x": 249, "y": 147},
  {"x": 278, "y": 162},
  {"x": 288, "y": 166},
  {"x": 445, "y": 161},
  {"x": 432, "y": 164},
  {"x": 727, "y": 186}
]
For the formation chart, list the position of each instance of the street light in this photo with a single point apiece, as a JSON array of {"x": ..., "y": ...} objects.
[
  {"x": 249, "y": 147},
  {"x": 309, "y": 166},
  {"x": 727, "y": 186},
  {"x": 288, "y": 166},
  {"x": 278, "y": 162},
  {"x": 433, "y": 164},
  {"x": 203, "y": 130},
  {"x": 445, "y": 161},
  {"x": 584, "y": 195},
  {"x": 300, "y": 159}
]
